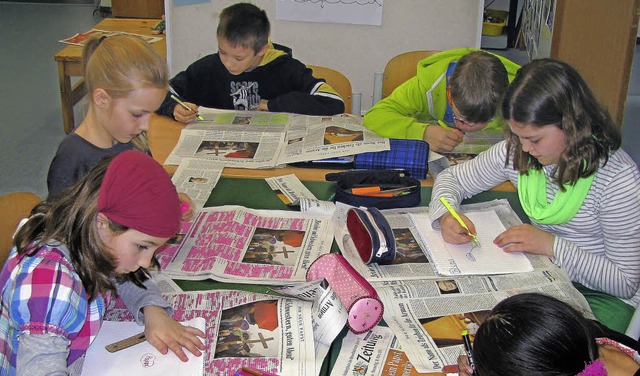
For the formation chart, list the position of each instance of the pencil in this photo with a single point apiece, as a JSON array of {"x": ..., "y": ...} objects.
[
  {"x": 175, "y": 98},
  {"x": 460, "y": 221}
]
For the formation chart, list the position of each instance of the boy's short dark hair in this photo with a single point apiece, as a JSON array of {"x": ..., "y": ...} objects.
[
  {"x": 246, "y": 25},
  {"x": 477, "y": 85}
]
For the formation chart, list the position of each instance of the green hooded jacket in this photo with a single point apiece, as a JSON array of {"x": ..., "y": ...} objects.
[{"x": 421, "y": 99}]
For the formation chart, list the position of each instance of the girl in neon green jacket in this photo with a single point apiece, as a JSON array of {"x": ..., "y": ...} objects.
[{"x": 459, "y": 89}]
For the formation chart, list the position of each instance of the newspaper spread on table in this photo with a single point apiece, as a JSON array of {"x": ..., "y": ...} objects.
[
  {"x": 237, "y": 244},
  {"x": 256, "y": 139},
  {"x": 427, "y": 313}
]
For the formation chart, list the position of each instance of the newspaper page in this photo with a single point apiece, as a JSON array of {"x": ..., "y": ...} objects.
[
  {"x": 213, "y": 117},
  {"x": 474, "y": 143},
  {"x": 257, "y": 139},
  {"x": 243, "y": 146},
  {"x": 318, "y": 137},
  {"x": 412, "y": 249},
  {"x": 377, "y": 352},
  {"x": 236, "y": 244},
  {"x": 428, "y": 315},
  {"x": 197, "y": 178},
  {"x": 290, "y": 189},
  {"x": 329, "y": 314},
  {"x": 244, "y": 329}
]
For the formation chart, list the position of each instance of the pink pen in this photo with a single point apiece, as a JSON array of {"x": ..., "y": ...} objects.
[{"x": 184, "y": 207}]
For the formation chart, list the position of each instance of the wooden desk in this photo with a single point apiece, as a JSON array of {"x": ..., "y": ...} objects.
[
  {"x": 164, "y": 134},
  {"x": 70, "y": 63}
]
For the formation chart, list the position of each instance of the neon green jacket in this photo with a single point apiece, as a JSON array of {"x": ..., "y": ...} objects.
[{"x": 421, "y": 99}]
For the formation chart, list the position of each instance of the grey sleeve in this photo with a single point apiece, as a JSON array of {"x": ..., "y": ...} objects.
[
  {"x": 136, "y": 298},
  {"x": 42, "y": 354}
]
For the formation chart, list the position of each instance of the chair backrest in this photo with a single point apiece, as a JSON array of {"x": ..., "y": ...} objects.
[
  {"x": 14, "y": 207},
  {"x": 337, "y": 80},
  {"x": 401, "y": 68}
]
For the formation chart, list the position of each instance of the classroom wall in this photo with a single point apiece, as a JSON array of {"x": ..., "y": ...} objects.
[{"x": 358, "y": 51}]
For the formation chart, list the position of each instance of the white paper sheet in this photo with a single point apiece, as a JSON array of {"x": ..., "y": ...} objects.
[
  {"x": 141, "y": 359},
  {"x": 451, "y": 259}
]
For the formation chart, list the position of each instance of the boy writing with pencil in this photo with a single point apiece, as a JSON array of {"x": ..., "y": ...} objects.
[
  {"x": 247, "y": 73},
  {"x": 459, "y": 89}
]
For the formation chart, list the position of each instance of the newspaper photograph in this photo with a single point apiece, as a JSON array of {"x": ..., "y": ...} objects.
[
  {"x": 245, "y": 329},
  {"x": 243, "y": 146},
  {"x": 318, "y": 137},
  {"x": 236, "y": 244},
  {"x": 196, "y": 178}
]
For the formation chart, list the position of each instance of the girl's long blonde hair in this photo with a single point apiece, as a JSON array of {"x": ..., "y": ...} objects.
[{"x": 120, "y": 64}]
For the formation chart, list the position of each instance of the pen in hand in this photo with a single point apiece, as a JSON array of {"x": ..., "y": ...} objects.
[
  {"x": 175, "y": 98},
  {"x": 452, "y": 211},
  {"x": 467, "y": 348}
]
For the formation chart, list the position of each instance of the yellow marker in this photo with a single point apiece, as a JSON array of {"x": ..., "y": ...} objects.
[
  {"x": 181, "y": 103},
  {"x": 443, "y": 124},
  {"x": 475, "y": 242}
]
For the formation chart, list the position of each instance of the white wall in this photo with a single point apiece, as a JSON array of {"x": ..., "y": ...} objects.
[{"x": 358, "y": 51}]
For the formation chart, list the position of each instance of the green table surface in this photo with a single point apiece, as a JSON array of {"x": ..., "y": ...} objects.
[{"x": 256, "y": 194}]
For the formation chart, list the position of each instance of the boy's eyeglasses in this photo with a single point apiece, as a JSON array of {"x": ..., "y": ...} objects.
[{"x": 469, "y": 124}]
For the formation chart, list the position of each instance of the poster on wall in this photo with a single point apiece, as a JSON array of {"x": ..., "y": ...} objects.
[{"x": 358, "y": 12}]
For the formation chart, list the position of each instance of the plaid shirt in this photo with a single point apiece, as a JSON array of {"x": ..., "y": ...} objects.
[{"x": 42, "y": 294}]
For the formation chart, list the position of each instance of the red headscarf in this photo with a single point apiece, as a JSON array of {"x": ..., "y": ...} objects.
[{"x": 137, "y": 193}]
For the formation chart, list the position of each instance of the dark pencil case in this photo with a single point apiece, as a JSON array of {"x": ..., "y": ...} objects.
[
  {"x": 406, "y": 190},
  {"x": 372, "y": 235}
]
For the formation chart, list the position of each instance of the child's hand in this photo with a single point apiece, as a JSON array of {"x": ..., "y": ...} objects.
[
  {"x": 185, "y": 201},
  {"x": 441, "y": 139},
  {"x": 183, "y": 115},
  {"x": 464, "y": 366},
  {"x": 526, "y": 238},
  {"x": 452, "y": 232},
  {"x": 164, "y": 333}
]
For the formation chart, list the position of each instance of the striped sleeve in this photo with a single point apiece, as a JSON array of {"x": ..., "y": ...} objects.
[{"x": 600, "y": 246}]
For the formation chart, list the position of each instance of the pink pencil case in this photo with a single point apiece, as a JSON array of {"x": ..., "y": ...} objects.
[{"x": 356, "y": 294}]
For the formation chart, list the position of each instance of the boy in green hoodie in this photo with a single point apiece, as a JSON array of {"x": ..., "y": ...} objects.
[{"x": 461, "y": 88}]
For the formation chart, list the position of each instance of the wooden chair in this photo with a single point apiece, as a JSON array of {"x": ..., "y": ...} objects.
[
  {"x": 14, "y": 207},
  {"x": 337, "y": 80},
  {"x": 401, "y": 68}
]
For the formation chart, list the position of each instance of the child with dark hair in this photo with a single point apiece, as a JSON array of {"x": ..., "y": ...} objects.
[
  {"x": 538, "y": 335},
  {"x": 75, "y": 253},
  {"x": 462, "y": 87},
  {"x": 248, "y": 73},
  {"x": 580, "y": 190}
]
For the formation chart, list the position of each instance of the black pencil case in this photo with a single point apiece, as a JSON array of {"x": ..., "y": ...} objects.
[{"x": 407, "y": 187}]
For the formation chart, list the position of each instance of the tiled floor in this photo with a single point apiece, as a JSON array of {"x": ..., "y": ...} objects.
[{"x": 31, "y": 126}]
